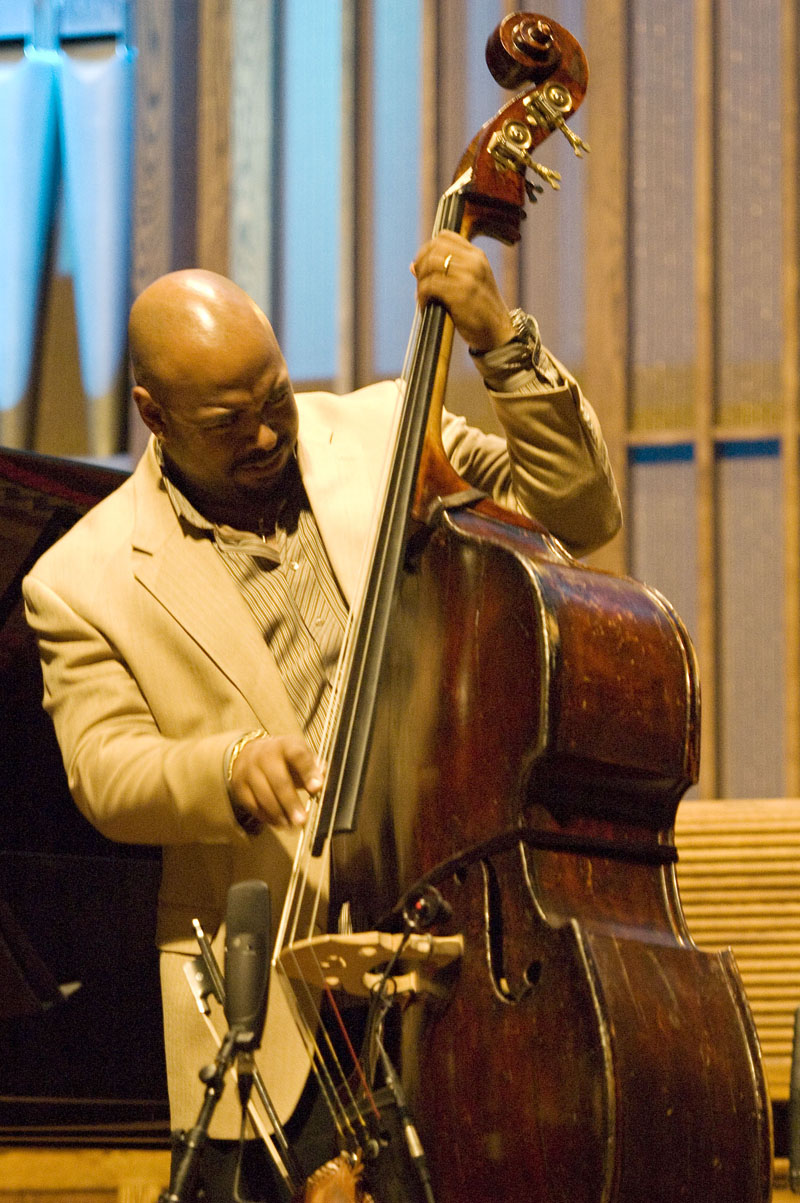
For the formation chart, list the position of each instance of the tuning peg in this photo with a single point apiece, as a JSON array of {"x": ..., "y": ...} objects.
[
  {"x": 577, "y": 144},
  {"x": 548, "y": 109},
  {"x": 553, "y": 178},
  {"x": 509, "y": 149}
]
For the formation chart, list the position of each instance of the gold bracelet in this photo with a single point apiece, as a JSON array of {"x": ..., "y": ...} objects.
[{"x": 241, "y": 742}]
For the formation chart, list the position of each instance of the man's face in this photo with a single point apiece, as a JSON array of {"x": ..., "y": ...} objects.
[{"x": 232, "y": 430}]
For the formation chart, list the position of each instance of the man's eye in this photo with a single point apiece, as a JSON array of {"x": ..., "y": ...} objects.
[
  {"x": 278, "y": 400},
  {"x": 224, "y": 420}
]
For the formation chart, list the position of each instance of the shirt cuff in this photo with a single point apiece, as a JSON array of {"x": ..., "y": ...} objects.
[{"x": 520, "y": 365}]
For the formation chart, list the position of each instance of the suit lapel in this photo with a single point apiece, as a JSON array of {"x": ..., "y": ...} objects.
[
  {"x": 340, "y": 451},
  {"x": 336, "y": 483},
  {"x": 185, "y": 576}
]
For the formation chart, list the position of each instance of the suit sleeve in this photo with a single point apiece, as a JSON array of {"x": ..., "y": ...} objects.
[
  {"x": 553, "y": 463},
  {"x": 131, "y": 781}
]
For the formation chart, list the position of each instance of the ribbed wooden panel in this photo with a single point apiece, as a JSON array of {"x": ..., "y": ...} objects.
[
  {"x": 781, "y": 1192},
  {"x": 83, "y": 1175},
  {"x": 739, "y": 879}
]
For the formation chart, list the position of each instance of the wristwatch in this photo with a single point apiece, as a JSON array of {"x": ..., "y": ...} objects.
[{"x": 520, "y": 353}]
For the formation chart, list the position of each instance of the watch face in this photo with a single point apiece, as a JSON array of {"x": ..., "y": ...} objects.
[
  {"x": 527, "y": 339},
  {"x": 525, "y": 326}
]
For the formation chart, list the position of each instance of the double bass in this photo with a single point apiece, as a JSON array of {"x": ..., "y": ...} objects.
[{"x": 508, "y": 1005}]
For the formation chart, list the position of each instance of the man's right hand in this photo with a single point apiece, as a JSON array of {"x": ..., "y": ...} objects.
[{"x": 267, "y": 774}]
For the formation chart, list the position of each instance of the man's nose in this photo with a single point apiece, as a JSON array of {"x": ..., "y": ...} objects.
[{"x": 266, "y": 437}]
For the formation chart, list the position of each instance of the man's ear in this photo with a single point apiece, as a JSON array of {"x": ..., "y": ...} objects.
[{"x": 151, "y": 412}]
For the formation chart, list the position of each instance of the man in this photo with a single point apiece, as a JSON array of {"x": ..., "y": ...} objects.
[{"x": 189, "y": 624}]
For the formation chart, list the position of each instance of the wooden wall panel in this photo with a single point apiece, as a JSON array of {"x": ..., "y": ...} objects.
[
  {"x": 82, "y": 1175},
  {"x": 705, "y": 383},
  {"x": 356, "y": 220},
  {"x": 164, "y": 231},
  {"x": 740, "y": 888},
  {"x": 731, "y": 98},
  {"x": 154, "y": 176},
  {"x": 214, "y": 134},
  {"x": 253, "y": 139},
  {"x": 606, "y": 300},
  {"x": 790, "y": 376}
]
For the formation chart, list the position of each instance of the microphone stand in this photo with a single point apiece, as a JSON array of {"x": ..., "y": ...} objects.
[
  {"x": 213, "y": 1076},
  {"x": 247, "y": 918},
  {"x": 283, "y": 1155}
]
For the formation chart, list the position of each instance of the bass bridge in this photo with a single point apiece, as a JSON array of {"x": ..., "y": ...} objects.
[{"x": 360, "y": 962}]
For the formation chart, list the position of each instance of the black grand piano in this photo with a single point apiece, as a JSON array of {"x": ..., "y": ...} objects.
[{"x": 81, "y": 1053}]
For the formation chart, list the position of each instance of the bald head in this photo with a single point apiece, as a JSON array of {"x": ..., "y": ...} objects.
[
  {"x": 213, "y": 387},
  {"x": 190, "y": 328}
]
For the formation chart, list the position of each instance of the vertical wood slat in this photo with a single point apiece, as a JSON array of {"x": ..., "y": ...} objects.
[
  {"x": 152, "y": 234},
  {"x": 356, "y": 280},
  {"x": 153, "y": 171},
  {"x": 346, "y": 350},
  {"x": 607, "y": 243},
  {"x": 429, "y": 114},
  {"x": 705, "y": 382},
  {"x": 444, "y": 135},
  {"x": 214, "y": 134},
  {"x": 164, "y": 220},
  {"x": 253, "y": 149},
  {"x": 184, "y": 194},
  {"x": 790, "y": 383}
]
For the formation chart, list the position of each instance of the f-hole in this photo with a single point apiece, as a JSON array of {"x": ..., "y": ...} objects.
[{"x": 495, "y": 941}]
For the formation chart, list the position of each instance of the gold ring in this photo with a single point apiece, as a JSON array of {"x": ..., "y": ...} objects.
[{"x": 448, "y": 260}]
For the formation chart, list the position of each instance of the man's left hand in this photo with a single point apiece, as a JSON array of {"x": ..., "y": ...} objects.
[{"x": 451, "y": 270}]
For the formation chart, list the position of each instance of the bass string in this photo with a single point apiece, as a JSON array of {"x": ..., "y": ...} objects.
[
  {"x": 303, "y": 897},
  {"x": 298, "y": 883},
  {"x": 329, "y": 1074},
  {"x": 301, "y": 914}
]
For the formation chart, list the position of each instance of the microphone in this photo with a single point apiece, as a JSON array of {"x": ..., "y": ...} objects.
[{"x": 247, "y": 957}]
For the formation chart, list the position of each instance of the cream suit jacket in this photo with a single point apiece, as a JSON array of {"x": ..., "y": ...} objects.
[{"x": 153, "y": 665}]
